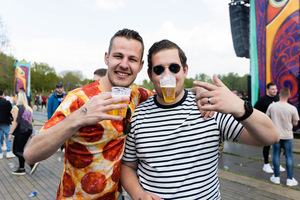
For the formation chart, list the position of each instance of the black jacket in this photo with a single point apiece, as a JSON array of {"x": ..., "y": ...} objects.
[{"x": 5, "y": 111}]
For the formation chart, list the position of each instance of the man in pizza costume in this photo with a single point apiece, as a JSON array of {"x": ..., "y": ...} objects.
[{"x": 94, "y": 140}]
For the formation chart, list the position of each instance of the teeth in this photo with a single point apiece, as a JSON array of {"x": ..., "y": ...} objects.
[{"x": 122, "y": 74}]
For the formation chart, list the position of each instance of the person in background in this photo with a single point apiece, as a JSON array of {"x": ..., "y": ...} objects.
[
  {"x": 55, "y": 99},
  {"x": 22, "y": 113},
  {"x": 37, "y": 101},
  {"x": 171, "y": 152},
  {"x": 284, "y": 117},
  {"x": 44, "y": 101},
  {"x": 5, "y": 121},
  {"x": 99, "y": 73},
  {"x": 10, "y": 99},
  {"x": 30, "y": 103},
  {"x": 262, "y": 105}
]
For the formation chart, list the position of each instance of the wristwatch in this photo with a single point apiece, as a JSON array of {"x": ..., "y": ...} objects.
[{"x": 248, "y": 111}]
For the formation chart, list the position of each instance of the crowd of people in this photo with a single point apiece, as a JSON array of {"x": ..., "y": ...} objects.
[{"x": 161, "y": 149}]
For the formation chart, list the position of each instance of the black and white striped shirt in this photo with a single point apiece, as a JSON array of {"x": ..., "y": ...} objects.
[{"x": 176, "y": 149}]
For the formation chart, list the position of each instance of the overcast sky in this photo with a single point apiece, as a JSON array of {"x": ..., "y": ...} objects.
[{"x": 74, "y": 34}]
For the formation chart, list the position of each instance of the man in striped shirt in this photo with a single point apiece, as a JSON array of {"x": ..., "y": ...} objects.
[{"x": 171, "y": 151}]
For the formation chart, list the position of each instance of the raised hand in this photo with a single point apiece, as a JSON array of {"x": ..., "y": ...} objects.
[
  {"x": 95, "y": 109},
  {"x": 219, "y": 98}
]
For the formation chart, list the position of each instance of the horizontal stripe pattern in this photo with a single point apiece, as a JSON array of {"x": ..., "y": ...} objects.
[{"x": 176, "y": 148}]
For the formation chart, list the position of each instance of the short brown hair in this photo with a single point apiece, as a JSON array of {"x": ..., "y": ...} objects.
[
  {"x": 100, "y": 72},
  {"x": 128, "y": 34},
  {"x": 164, "y": 45},
  {"x": 285, "y": 92},
  {"x": 270, "y": 84}
]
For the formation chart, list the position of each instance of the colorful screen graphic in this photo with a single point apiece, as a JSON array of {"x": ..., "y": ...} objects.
[
  {"x": 277, "y": 43},
  {"x": 22, "y": 76}
]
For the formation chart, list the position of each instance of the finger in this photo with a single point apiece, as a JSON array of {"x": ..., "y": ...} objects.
[
  {"x": 112, "y": 117},
  {"x": 115, "y": 107},
  {"x": 204, "y": 95},
  {"x": 116, "y": 100},
  {"x": 209, "y": 107},
  {"x": 217, "y": 81},
  {"x": 105, "y": 95},
  {"x": 206, "y": 86}
]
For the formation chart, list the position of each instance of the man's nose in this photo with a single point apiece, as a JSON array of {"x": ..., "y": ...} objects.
[
  {"x": 167, "y": 71},
  {"x": 124, "y": 62}
]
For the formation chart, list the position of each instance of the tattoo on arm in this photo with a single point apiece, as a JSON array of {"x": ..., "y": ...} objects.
[{"x": 84, "y": 110}]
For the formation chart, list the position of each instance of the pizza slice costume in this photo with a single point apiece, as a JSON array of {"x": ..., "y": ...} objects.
[{"x": 93, "y": 155}]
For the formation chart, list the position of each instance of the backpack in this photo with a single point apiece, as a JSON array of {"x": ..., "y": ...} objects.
[{"x": 25, "y": 125}]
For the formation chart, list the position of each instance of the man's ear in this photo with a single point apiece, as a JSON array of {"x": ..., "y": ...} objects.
[
  {"x": 186, "y": 69},
  {"x": 141, "y": 65},
  {"x": 106, "y": 55},
  {"x": 149, "y": 73}
]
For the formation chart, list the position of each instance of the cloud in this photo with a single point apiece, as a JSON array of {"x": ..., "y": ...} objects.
[{"x": 109, "y": 4}]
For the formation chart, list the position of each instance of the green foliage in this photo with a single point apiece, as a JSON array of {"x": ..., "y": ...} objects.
[
  {"x": 7, "y": 73},
  {"x": 71, "y": 79},
  {"x": 43, "y": 77},
  {"x": 147, "y": 84},
  {"x": 188, "y": 83},
  {"x": 232, "y": 80}
]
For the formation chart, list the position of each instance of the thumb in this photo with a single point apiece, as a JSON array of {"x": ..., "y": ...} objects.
[{"x": 217, "y": 81}]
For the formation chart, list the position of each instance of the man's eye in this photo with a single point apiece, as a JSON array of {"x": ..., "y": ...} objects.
[{"x": 132, "y": 59}]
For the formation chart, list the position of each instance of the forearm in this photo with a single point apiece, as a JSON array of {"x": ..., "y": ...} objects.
[
  {"x": 295, "y": 123},
  {"x": 46, "y": 143},
  {"x": 130, "y": 182},
  {"x": 13, "y": 127},
  {"x": 259, "y": 130}
]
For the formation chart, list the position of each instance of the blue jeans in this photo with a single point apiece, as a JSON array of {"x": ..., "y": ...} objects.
[
  {"x": 4, "y": 128},
  {"x": 287, "y": 146}
]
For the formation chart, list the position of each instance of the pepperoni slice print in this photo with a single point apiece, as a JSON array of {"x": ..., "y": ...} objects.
[
  {"x": 68, "y": 185},
  {"x": 144, "y": 95},
  {"x": 57, "y": 117},
  {"x": 93, "y": 182},
  {"x": 107, "y": 196},
  {"x": 113, "y": 149},
  {"x": 118, "y": 125},
  {"x": 76, "y": 104},
  {"x": 92, "y": 133},
  {"x": 116, "y": 172},
  {"x": 78, "y": 155},
  {"x": 91, "y": 90}
]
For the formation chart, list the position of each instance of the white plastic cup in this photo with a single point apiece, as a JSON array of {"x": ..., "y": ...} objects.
[
  {"x": 168, "y": 85},
  {"x": 120, "y": 92}
]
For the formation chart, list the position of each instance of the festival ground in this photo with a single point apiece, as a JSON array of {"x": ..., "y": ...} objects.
[{"x": 240, "y": 174}]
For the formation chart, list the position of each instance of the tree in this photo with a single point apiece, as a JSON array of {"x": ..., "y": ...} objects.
[
  {"x": 234, "y": 82},
  {"x": 71, "y": 79},
  {"x": 147, "y": 84},
  {"x": 7, "y": 73},
  {"x": 43, "y": 77}
]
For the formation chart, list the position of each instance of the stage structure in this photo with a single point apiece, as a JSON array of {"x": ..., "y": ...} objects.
[
  {"x": 274, "y": 44},
  {"x": 22, "y": 76}
]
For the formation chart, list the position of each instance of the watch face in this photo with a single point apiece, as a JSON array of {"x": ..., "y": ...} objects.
[{"x": 248, "y": 106}]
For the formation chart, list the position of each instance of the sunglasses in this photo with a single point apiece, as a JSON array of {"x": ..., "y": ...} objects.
[{"x": 159, "y": 69}]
